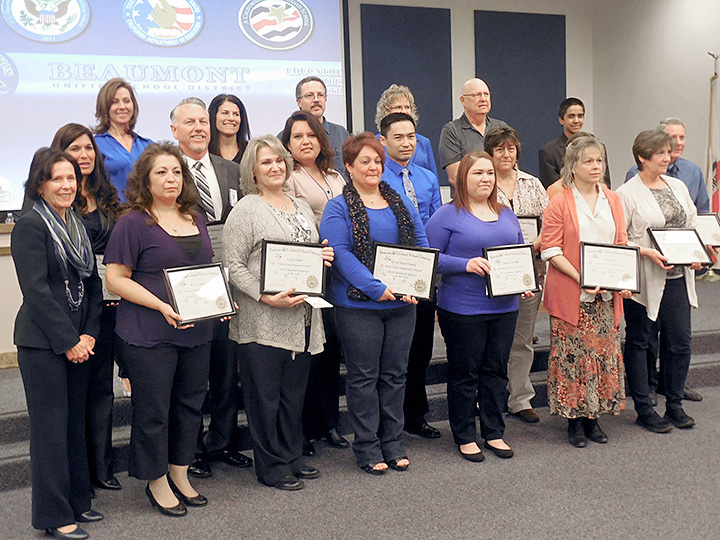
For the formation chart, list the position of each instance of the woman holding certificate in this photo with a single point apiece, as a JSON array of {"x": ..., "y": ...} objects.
[
  {"x": 652, "y": 199},
  {"x": 526, "y": 196},
  {"x": 375, "y": 327},
  {"x": 314, "y": 181},
  {"x": 55, "y": 334},
  {"x": 167, "y": 363},
  {"x": 275, "y": 333},
  {"x": 478, "y": 329},
  {"x": 585, "y": 373},
  {"x": 98, "y": 206}
]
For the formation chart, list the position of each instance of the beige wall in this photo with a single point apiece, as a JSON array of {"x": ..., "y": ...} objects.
[{"x": 11, "y": 298}]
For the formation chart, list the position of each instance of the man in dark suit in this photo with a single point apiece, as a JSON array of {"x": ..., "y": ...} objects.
[
  {"x": 571, "y": 115},
  {"x": 217, "y": 182}
]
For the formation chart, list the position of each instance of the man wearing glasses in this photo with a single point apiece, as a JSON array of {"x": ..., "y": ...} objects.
[
  {"x": 311, "y": 97},
  {"x": 467, "y": 133}
]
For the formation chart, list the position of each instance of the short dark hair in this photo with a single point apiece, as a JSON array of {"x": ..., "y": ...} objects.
[
  {"x": 41, "y": 170},
  {"x": 311, "y": 78},
  {"x": 355, "y": 143},
  {"x": 137, "y": 191},
  {"x": 104, "y": 101},
  {"x": 326, "y": 157},
  {"x": 243, "y": 134},
  {"x": 566, "y": 103},
  {"x": 499, "y": 136},
  {"x": 648, "y": 142},
  {"x": 96, "y": 184},
  {"x": 391, "y": 119}
]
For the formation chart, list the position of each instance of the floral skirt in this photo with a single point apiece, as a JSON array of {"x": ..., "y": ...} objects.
[{"x": 586, "y": 374}]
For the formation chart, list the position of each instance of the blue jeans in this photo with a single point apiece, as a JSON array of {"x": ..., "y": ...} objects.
[
  {"x": 673, "y": 323},
  {"x": 376, "y": 345}
]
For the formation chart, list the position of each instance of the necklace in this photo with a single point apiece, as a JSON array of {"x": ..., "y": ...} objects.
[{"x": 327, "y": 192}]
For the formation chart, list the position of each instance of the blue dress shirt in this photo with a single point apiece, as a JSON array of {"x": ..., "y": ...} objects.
[
  {"x": 423, "y": 155},
  {"x": 118, "y": 161},
  {"x": 691, "y": 175},
  {"x": 427, "y": 189}
]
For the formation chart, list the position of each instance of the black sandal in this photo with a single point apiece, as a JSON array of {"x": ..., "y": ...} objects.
[
  {"x": 370, "y": 469},
  {"x": 393, "y": 464}
]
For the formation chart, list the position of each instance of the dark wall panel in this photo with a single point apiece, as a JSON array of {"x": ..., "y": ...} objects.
[
  {"x": 521, "y": 56},
  {"x": 410, "y": 46}
]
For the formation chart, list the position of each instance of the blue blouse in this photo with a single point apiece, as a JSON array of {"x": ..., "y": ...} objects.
[{"x": 118, "y": 161}]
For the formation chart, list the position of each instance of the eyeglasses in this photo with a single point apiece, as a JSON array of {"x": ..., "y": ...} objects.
[
  {"x": 478, "y": 95},
  {"x": 314, "y": 95}
]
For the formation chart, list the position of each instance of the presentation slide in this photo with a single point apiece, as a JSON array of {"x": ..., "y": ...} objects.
[{"x": 55, "y": 55}]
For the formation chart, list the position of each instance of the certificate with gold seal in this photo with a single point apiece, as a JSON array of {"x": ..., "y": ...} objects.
[
  {"x": 406, "y": 270},
  {"x": 286, "y": 265},
  {"x": 708, "y": 227},
  {"x": 680, "y": 246},
  {"x": 610, "y": 267},
  {"x": 198, "y": 293},
  {"x": 512, "y": 270}
]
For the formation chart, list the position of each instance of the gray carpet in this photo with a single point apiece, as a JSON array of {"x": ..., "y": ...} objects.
[{"x": 639, "y": 485}]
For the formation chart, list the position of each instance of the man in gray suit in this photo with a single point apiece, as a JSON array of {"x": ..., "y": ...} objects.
[{"x": 217, "y": 182}]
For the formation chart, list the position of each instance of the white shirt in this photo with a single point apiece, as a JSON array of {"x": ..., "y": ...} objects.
[{"x": 209, "y": 171}]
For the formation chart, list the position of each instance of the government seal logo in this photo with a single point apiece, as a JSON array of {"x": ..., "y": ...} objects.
[
  {"x": 47, "y": 20},
  {"x": 276, "y": 24},
  {"x": 8, "y": 75},
  {"x": 166, "y": 23}
]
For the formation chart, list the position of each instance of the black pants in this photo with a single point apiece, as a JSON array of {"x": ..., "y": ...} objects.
[
  {"x": 416, "y": 404},
  {"x": 56, "y": 391},
  {"x": 168, "y": 388},
  {"x": 673, "y": 323},
  {"x": 100, "y": 399},
  {"x": 274, "y": 390},
  {"x": 478, "y": 347},
  {"x": 320, "y": 411}
]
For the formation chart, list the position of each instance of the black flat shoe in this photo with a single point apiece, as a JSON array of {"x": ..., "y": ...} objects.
[
  {"x": 424, "y": 430},
  {"x": 77, "y": 534},
  {"x": 500, "y": 452},
  {"x": 200, "y": 468},
  {"x": 593, "y": 431},
  {"x": 89, "y": 517},
  {"x": 371, "y": 470},
  {"x": 289, "y": 483},
  {"x": 576, "y": 433},
  {"x": 197, "y": 500},
  {"x": 393, "y": 464},
  {"x": 234, "y": 458},
  {"x": 307, "y": 473},
  {"x": 477, "y": 457},
  {"x": 308, "y": 448},
  {"x": 111, "y": 483},
  {"x": 176, "y": 511},
  {"x": 336, "y": 440}
]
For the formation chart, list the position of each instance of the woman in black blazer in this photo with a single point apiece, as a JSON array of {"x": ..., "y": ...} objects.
[{"x": 55, "y": 333}]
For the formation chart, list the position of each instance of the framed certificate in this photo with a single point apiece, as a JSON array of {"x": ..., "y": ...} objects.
[
  {"x": 530, "y": 226},
  {"x": 512, "y": 270},
  {"x": 199, "y": 292},
  {"x": 292, "y": 264},
  {"x": 215, "y": 231},
  {"x": 610, "y": 267},
  {"x": 708, "y": 227},
  {"x": 406, "y": 270},
  {"x": 680, "y": 246}
]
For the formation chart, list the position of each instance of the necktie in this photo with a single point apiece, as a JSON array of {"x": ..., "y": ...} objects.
[
  {"x": 206, "y": 202},
  {"x": 673, "y": 170},
  {"x": 409, "y": 188}
]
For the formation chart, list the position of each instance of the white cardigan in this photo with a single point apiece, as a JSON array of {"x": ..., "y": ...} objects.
[{"x": 642, "y": 212}]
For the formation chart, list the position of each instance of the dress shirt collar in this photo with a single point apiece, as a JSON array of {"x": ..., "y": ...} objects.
[
  {"x": 394, "y": 167},
  {"x": 582, "y": 205},
  {"x": 205, "y": 160}
]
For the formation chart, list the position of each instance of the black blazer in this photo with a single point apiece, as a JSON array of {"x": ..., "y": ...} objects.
[
  {"x": 228, "y": 176},
  {"x": 45, "y": 320}
]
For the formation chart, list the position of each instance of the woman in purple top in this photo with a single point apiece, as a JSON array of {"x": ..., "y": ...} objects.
[
  {"x": 116, "y": 111},
  {"x": 478, "y": 330},
  {"x": 167, "y": 363}
]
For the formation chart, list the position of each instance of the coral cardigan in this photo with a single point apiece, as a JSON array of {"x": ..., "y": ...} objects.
[{"x": 561, "y": 229}]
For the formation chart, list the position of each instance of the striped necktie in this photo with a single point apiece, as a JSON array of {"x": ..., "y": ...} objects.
[
  {"x": 409, "y": 188},
  {"x": 203, "y": 188}
]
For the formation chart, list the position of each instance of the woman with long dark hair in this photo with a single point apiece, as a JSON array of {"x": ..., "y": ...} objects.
[{"x": 229, "y": 127}]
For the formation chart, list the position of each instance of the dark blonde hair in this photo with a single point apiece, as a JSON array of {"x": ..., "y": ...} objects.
[
  {"x": 573, "y": 154},
  {"x": 104, "y": 101},
  {"x": 137, "y": 191},
  {"x": 462, "y": 199}
]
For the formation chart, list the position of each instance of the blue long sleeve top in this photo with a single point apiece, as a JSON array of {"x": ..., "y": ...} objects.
[
  {"x": 460, "y": 236},
  {"x": 427, "y": 189},
  {"x": 347, "y": 268}
]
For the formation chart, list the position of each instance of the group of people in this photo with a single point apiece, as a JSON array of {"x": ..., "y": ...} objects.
[{"x": 107, "y": 211}]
